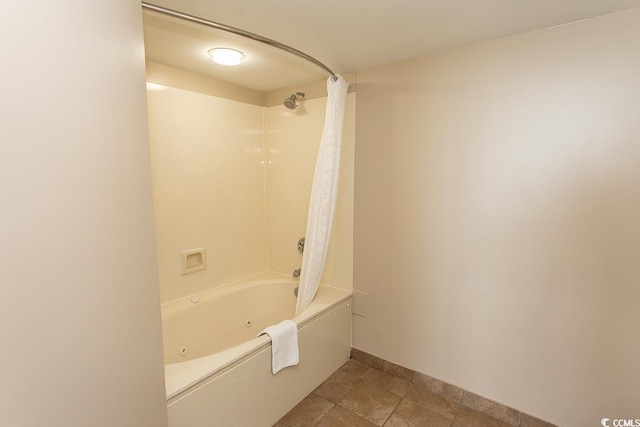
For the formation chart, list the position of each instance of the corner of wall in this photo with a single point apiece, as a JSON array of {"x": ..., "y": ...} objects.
[{"x": 188, "y": 80}]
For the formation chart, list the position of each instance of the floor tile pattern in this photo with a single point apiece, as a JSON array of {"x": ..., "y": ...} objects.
[{"x": 379, "y": 393}]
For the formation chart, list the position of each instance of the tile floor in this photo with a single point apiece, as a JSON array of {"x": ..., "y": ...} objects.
[{"x": 359, "y": 395}]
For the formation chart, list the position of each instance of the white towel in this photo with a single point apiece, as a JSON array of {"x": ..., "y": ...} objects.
[{"x": 284, "y": 344}]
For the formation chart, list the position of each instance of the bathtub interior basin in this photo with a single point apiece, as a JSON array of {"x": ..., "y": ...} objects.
[{"x": 214, "y": 331}]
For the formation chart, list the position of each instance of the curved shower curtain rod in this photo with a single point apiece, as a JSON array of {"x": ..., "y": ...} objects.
[{"x": 237, "y": 31}]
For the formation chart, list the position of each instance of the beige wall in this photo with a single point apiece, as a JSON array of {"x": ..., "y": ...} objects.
[
  {"x": 79, "y": 314},
  {"x": 208, "y": 174},
  {"x": 211, "y": 188},
  {"x": 496, "y": 220}
]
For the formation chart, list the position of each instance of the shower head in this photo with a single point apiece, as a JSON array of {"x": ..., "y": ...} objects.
[{"x": 292, "y": 101}]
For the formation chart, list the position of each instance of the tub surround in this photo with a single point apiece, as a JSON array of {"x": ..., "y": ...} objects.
[
  {"x": 208, "y": 188},
  {"x": 311, "y": 90},
  {"x": 292, "y": 141},
  {"x": 169, "y": 76},
  {"x": 248, "y": 216},
  {"x": 249, "y": 219}
]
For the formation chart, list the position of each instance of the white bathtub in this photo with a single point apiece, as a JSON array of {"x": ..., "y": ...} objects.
[{"x": 224, "y": 377}]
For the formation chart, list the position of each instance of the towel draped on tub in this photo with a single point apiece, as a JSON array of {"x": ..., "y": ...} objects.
[{"x": 284, "y": 344}]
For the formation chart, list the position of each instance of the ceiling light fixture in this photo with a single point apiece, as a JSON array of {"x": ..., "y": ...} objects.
[{"x": 226, "y": 56}]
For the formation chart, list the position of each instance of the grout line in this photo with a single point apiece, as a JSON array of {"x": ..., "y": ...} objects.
[
  {"x": 456, "y": 415},
  {"x": 367, "y": 374},
  {"x": 411, "y": 385},
  {"x": 325, "y": 415},
  {"x": 342, "y": 398},
  {"x": 374, "y": 359},
  {"x": 394, "y": 410}
]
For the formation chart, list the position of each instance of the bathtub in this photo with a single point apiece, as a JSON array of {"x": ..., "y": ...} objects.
[{"x": 217, "y": 373}]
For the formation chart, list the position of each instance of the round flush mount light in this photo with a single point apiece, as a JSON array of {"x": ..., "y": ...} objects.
[{"x": 226, "y": 56}]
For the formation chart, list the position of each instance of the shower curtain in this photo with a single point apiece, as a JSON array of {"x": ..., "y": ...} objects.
[{"x": 324, "y": 192}]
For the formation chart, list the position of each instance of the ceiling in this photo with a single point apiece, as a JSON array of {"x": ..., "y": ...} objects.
[
  {"x": 184, "y": 45},
  {"x": 346, "y": 35}
]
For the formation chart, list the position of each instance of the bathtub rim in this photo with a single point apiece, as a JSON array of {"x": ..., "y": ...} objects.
[
  {"x": 182, "y": 377},
  {"x": 171, "y": 308}
]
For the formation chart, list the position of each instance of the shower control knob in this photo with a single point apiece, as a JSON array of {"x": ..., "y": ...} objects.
[{"x": 301, "y": 245}]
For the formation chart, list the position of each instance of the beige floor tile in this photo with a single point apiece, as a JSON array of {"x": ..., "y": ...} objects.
[
  {"x": 372, "y": 403},
  {"x": 355, "y": 368},
  {"x": 308, "y": 412},
  {"x": 467, "y": 417},
  {"x": 409, "y": 414},
  {"x": 340, "y": 417},
  {"x": 361, "y": 395},
  {"x": 432, "y": 401},
  {"x": 337, "y": 386},
  {"x": 388, "y": 382}
]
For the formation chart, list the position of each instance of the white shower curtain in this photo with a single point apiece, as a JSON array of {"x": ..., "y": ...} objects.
[{"x": 324, "y": 192}]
